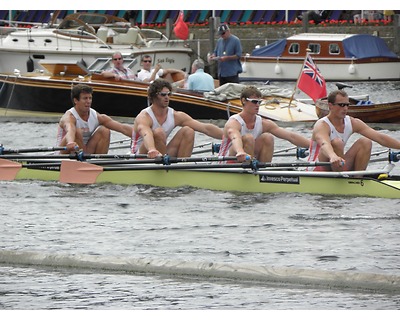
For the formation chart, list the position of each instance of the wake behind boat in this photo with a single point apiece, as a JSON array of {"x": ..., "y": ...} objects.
[{"x": 340, "y": 57}]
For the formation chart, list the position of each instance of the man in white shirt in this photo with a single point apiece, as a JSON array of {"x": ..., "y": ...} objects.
[{"x": 149, "y": 74}]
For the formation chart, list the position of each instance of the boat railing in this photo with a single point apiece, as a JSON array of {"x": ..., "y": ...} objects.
[
  {"x": 77, "y": 34},
  {"x": 151, "y": 34}
]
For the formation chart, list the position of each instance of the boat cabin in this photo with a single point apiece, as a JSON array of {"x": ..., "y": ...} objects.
[{"x": 329, "y": 46}]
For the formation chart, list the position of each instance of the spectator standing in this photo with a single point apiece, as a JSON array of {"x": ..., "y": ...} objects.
[{"x": 227, "y": 53}]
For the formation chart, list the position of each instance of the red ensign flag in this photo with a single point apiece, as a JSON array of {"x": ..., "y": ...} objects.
[
  {"x": 181, "y": 29},
  {"x": 311, "y": 82}
]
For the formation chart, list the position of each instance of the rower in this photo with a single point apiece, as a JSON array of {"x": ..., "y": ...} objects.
[
  {"x": 331, "y": 133},
  {"x": 84, "y": 128}
]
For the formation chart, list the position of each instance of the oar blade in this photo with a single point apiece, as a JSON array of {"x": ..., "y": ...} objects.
[
  {"x": 79, "y": 172},
  {"x": 9, "y": 169}
]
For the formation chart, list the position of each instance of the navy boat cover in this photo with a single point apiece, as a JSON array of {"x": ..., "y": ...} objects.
[
  {"x": 366, "y": 46},
  {"x": 357, "y": 46}
]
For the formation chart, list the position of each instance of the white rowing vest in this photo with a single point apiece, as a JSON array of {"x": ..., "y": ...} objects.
[
  {"x": 86, "y": 127},
  {"x": 334, "y": 134},
  {"x": 255, "y": 132},
  {"x": 167, "y": 126}
]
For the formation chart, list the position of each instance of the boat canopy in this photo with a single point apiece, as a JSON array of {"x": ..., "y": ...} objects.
[
  {"x": 272, "y": 50},
  {"x": 357, "y": 46},
  {"x": 366, "y": 46}
]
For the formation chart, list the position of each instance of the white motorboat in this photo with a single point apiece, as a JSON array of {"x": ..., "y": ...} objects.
[
  {"x": 340, "y": 57},
  {"x": 84, "y": 37}
]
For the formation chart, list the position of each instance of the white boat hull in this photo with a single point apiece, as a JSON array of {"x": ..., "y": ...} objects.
[
  {"x": 86, "y": 37},
  {"x": 263, "y": 70}
]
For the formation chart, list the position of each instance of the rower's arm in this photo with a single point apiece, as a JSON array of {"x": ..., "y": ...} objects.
[{"x": 112, "y": 124}]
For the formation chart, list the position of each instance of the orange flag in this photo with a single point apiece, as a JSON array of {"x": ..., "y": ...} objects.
[{"x": 181, "y": 29}]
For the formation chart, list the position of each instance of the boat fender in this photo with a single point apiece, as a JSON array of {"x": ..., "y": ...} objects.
[
  {"x": 277, "y": 68},
  {"x": 244, "y": 67},
  {"x": 30, "y": 66},
  {"x": 352, "y": 68}
]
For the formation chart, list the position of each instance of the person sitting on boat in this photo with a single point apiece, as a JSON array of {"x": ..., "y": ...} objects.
[
  {"x": 149, "y": 74},
  {"x": 331, "y": 133},
  {"x": 200, "y": 80},
  {"x": 83, "y": 128},
  {"x": 119, "y": 72},
  {"x": 155, "y": 123},
  {"x": 248, "y": 134}
]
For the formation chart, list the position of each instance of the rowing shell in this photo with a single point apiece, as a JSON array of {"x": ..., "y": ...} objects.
[{"x": 376, "y": 183}]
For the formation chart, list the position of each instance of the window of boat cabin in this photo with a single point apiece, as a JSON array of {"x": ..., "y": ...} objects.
[
  {"x": 314, "y": 47},
  {"x": 294, "y": 48},
  {"x": 334, "y": 48}
]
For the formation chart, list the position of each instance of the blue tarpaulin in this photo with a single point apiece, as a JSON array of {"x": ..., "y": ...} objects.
[
  {"x": 357, "y": 46},
  {"x": 272, "y": 50},
  {"x": 366, "y": 46}
]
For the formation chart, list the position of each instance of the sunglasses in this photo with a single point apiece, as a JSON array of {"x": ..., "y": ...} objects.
[
  {"x": 164, "y": 94},
  {"x": 254, "y": 101},
  {"x": 117, "y": 58},
  {"x": 341, "y": 104},
  {"x": 223, "y": 33},
  {"x": 147, "y": 61}
]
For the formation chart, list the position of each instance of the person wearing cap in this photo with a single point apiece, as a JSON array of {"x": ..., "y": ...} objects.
[
  {"x": 227, "y": 53},
  {"x": 247, "y": 134},
  {"x": 200, "y": 80}
]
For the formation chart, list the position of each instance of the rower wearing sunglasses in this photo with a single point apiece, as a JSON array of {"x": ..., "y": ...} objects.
[
  {"x": 155, "y": 123},
  {"x": 248, "y": 134},
  {"x": 331, "y": 133}
]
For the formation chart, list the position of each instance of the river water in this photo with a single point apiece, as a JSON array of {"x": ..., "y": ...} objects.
[{"x": 328, "y": 236}]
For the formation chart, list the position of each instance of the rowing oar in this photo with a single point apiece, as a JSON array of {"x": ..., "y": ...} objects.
[
  {"x": 214, "y": 148},
  {"x": 11, "y": 151},
  {"x": 391, "y": 157},
  {"x": 254, "y": 165},
  {"x": 129, "y": 159},
  {"x": 73, "y": 156},
  {"x": 121, "y": 141}
]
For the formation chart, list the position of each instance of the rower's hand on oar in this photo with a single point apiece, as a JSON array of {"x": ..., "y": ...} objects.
[
  {"x": 72, "y": 147},
  {"x": 153, "y": 153},
  {"x": 337, "y": 163},
  {"x": 242, "y": 156}
]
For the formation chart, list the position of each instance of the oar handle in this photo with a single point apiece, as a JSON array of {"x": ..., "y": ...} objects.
[{"x": 45, "y": 149}]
